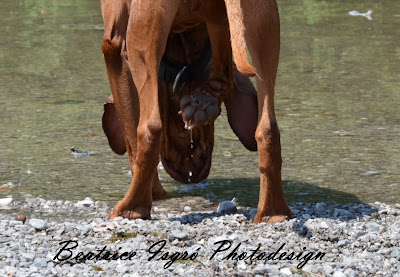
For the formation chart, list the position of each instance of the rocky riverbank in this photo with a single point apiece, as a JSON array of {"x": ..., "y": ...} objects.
[{"x": 321, "y": 240}]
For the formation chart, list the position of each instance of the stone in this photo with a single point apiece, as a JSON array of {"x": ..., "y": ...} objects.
[
  {"x": 323, "y": 225},
  {"x": 87, "y": 202},
  {"x": 180, "y": 235},
  {"x": 306, "y": 216},
  {"x": 342, "y": 243},
  {"x": 328, "y": 269},
  {"x": 373, "y": 226},
  {"x": 260, "y": 270},
  {"x": 227, "y": 207},
  {"x": 339, "y": 274},
  {"x": 286, "y": 271},
  {"x": 21, "y": 217},
  {"x": 38, "y": 224},
  {"x": 5, "y": 201},
  {"x": 29, "y": 257}
]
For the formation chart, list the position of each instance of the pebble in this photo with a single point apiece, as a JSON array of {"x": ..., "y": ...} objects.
[
  {"x": 286, "y": 271},
  {"x": 38, "y": 224},
  {"x": 5, "y": 201},
  {"x": 323, "y": 225},
  {"x": 339, "y": 274},
  {"x": 21, "y": 217},
  {"x": 87, "y": 202},
  {"x": 28, "y": 256},
  {"x": 358, "y": 245},
  {"x": 227, "y": 207}
]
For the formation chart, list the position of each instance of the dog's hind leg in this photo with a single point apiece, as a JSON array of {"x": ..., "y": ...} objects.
[
  {"x": 261, "y": 30},
  {"x": 147, "y": 31}
]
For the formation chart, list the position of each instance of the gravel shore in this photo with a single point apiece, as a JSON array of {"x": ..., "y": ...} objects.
[{"x": 321, "y": 240}]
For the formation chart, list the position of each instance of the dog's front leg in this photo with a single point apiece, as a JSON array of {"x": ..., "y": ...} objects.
[
  {"x": 148, "y": 27},
  {"x": 261, "y": 22}
]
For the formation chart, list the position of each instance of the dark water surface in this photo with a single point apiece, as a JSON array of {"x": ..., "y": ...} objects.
[{"x": 337, "y": 105}]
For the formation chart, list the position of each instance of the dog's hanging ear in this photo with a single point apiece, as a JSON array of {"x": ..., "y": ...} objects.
[
  {"x": 242, "y": 109},
  {"x": 112, "y": 127}
]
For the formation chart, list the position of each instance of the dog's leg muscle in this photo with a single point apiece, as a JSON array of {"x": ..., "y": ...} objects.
[
  {"x": 148, "y": 27},
  {"x": 261, "y": 21}
]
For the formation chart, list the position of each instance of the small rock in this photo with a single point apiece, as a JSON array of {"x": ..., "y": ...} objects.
[
  {"x": 328, "y": 269},
  {"x": 320, "y": 206},
  {"x": 227, "y": 207},
  {"x": 21, "y": 217},
  {"x": 118, "y": 218},
  {"x": 339, "y": 274},
  {"x": 306, "y": 216},
  {"x": 181, "y": 235},
  {"x": 38, "y": 224},
  {"x": 342, "y": 243},
  {"x": 350, "y": 273},
  {"x": 87, "y": 202},
  {"x": 5, "y": 201},
  {"x": 187, "y": 209},
  {"x": 242, "y": 266},
  {"x": 15, "y": 222},
  {"x": 100, "y": 229},
  {"x": 373, "y": 226},
  {"x": 286, "y": 271},
  {"x": 29, "y": 257},
  {"x": 252, "y": 214},
  {"x": 397, "y": 205},
  {"x": 344, "y": 212},
  {"x": 323, "y": 225},
  {"x": 260, "y": 270},
  {"x": 111, "y": 226}
]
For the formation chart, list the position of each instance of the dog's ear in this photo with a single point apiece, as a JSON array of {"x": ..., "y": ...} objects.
[
  {"x": 112, "y": 127},
  {"x": 242, "y": 109}
]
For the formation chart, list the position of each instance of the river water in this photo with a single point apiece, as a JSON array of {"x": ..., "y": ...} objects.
[{"x": 337, "y": 104}]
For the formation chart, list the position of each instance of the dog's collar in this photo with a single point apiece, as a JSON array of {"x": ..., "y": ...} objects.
[{"x": 178, "y": 75}]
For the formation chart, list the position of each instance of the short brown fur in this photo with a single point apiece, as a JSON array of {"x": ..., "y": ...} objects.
[{"x": 141, "y": 117}]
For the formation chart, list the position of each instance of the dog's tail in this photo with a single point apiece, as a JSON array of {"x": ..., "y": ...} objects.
[{"x": 236, "y": 26}]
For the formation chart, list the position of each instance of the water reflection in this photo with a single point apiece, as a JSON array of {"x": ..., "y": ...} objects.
[{"x": 337, "y": 106}]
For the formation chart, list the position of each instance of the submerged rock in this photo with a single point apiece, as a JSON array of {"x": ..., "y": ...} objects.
[{"x": 5, "y": 201}]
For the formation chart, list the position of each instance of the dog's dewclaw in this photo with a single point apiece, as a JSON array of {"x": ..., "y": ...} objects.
[
  {"x": 186, "y": 100},
  {"x": 200, "y": 116},
  {"x": 188, "y": 112}
]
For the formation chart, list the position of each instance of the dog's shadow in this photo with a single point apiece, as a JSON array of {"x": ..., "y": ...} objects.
[{"x": 332, "y": 204}]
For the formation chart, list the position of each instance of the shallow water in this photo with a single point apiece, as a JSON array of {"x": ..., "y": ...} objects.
[{"x": 336, "y": 102}]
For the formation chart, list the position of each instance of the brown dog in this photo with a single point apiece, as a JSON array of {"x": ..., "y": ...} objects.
[{"x": 164, "y": 83}]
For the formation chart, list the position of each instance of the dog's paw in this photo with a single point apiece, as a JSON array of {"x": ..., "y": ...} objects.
[
  {"x": 198, "y": 109},
  {"x": 273, "y": 218},
  {"x": 120, "y": 209}
]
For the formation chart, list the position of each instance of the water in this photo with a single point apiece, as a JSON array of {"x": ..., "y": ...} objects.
[{"x": 336, "y": 101}]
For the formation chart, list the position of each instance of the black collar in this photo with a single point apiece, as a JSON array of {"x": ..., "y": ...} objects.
[{"x": 180, "y": 74}]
